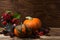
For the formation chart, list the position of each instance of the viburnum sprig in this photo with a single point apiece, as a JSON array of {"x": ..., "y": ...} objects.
[{"x": 10, "y": 18}]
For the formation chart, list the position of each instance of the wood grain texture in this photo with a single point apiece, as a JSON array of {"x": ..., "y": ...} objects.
[
  {"x": 47, "y": 10},
  {"x": 53, "y": 33}
]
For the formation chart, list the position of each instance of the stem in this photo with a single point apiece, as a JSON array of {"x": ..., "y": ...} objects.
[{"x": 29, "y": 18}]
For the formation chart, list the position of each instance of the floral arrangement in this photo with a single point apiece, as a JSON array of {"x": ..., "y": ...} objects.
[{"x": 12, "y": 25}]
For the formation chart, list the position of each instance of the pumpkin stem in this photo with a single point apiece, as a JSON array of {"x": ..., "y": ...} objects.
[{"x": 29, "y": 18}]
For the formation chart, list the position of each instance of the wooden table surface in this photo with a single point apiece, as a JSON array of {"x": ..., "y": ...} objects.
[{"x": 54, "y": 32}]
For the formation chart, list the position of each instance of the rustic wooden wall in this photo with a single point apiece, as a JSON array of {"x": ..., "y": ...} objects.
[
  {"x": 47, "y": 10},
  {"x": 5, "y": 5}
]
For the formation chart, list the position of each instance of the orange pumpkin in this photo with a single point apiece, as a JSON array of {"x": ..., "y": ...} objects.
[
  {"x": 22, "y": 31},
  {"x": 16, "y": 32},
  {"x": 19, "y": 30},
  {"x": 34, "y": 23}
]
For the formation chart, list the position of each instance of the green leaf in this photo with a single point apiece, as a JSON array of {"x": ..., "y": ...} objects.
[{"x": 16, "y": 15}]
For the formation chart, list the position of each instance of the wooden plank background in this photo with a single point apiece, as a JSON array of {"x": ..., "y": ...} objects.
[{"x": 47, "y": 10}]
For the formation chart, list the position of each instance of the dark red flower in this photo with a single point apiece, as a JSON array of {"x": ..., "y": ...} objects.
[{"x": 4, "y": 23}]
